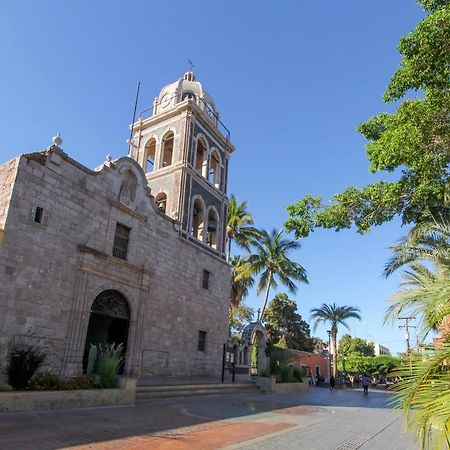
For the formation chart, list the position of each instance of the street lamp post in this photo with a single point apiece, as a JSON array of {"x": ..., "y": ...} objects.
[{"x": 329, "y": 351}]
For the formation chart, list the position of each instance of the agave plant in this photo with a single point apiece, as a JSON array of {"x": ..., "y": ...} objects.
[{"x": 108, "y": 364}]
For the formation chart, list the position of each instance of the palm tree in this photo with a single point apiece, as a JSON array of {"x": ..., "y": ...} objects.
[
  {"x": 238, "y": 226},
  {"x": 426, "y": 293},
  {"x": 423, "y": 393},
  {"x": 335, "y": 315},
  {"x": 424, "y": 396},
  {"x": 425, "y": 242},
  {"x": 241, "y": 280},
  {"x": 271, "y": 261}
]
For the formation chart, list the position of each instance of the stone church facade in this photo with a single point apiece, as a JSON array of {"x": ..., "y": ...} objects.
[{"x": 131, "y": 252}]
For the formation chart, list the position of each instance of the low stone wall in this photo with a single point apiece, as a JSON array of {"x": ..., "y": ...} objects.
[
  {"x": 84, "y": 398},
  {"x": 268, "y": 385}
]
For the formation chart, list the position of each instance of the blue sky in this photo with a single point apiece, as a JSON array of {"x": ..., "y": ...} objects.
[{"x": 291, "y": 79}]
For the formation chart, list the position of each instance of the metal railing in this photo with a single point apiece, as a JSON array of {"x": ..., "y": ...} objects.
[{"x": 175, "y": 100}]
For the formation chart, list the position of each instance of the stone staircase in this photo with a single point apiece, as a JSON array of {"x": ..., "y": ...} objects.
[{"x": 146, "y": 392}]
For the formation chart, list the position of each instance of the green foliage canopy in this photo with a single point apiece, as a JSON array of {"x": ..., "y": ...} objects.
[
  {"x": 414, "y": 141},
  {"x": 285, "y": 326},
  {"x": 349, "y": 345},
  {"x": 373, "y": 365}
]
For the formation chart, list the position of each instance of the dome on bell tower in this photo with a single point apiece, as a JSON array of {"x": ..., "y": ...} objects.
[{"x": 187, "y": 87}]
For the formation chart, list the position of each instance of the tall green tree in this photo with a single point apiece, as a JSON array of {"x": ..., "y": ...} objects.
[
  {"x": 319, "y": 344},
  {"x": 238, "y": 317},
  {"x": 334, "y": 315},
  {"x": 414, "y": 139},
  {"x": 349, "y": 345},
  {"x": 270, "y": 260},
  {"x": 239, "y": 226},
  {"x": 283, "y": 322},
  {"x": 384, "y": 364}
]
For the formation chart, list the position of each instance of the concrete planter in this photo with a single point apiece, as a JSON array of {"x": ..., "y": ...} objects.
[
  {"x": 269, "y": 385},
  {"x": 41, "y": 400}
]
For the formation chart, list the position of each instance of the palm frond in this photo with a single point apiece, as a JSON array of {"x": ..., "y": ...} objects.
[{"x": 424, "y": 395}]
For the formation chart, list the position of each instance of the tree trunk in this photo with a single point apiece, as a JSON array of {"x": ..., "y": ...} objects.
[
  {"x": 334, "y": 345},
  {"x": 444, "y": 327},
  {"x": 269, "y": 285}
]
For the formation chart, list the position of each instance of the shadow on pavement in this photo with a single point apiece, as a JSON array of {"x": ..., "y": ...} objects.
[{"x": 69, "y": 428}]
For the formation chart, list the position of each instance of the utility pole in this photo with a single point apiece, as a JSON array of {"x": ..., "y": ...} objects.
[{"x": 407, "y": 327}]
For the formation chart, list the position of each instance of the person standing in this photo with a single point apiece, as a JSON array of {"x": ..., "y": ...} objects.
[
  {"x": 365, "y": 384},
  {"x": 332, "y": 382}
]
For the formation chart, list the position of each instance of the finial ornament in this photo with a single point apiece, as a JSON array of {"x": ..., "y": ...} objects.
[
  {"x": 57, "y": 140},
  {"x": 109, "y": 158}
]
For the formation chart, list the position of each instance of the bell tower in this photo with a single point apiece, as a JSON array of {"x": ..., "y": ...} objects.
[{"x": 184, "y": 149}]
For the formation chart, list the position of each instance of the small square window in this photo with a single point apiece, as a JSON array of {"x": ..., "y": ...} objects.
[
  {"x": 202, "y": 341},
  {"x": 121, "y": 241},
  {"x": 205, "y": 281},
  {"x": 39, "y": 214}
]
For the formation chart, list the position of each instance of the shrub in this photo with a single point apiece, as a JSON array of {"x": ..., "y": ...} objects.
[
  {"x": 275, "y": 367},
  {"x": 5, "y": 388},
  {"x": 81, "y": 382},
  {"x": 299, "y": 374},
  {"x": 23, "y": 364},
  {"x": 47, "y": 381},
  {"x": 287, "y": 374},
  {"x": 108, "y": 365}
]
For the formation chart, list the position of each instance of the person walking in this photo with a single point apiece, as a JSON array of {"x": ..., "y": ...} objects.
[
  {"x": 365, "y": 384},
  {"x": 332, "y": 383}
]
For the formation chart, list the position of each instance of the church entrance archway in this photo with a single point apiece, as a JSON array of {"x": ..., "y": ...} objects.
[
  {"x": 256, "y": 334},
  {"x": 109, "y": 322}
]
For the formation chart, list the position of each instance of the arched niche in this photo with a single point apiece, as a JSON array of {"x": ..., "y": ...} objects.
[{"x": 128, "y": 185}]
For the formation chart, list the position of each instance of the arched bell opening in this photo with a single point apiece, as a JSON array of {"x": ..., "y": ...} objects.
[
  {"x": 167, "y": 150},
  {"x": 150, "y": 155},
  {"x": 198, "y": 219}
]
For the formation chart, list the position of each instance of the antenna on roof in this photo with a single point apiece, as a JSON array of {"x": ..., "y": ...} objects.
[
  {"x": 130, "y": 143},
  {"x": 191, "y": 65}
]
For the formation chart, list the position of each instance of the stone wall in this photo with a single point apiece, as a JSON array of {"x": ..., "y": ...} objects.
[
  {"x": 51, "y": 272},
  {"x": 87, "y": 398},
  {"x": 7, "y": 176}
]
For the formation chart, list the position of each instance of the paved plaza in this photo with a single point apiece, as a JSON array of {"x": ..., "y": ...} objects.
[{"x": 318, "y": 419}]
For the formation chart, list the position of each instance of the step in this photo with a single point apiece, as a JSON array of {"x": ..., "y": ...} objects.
[
  {"x": 149, "y": 392},
  {"x": 174, "y": 387}
]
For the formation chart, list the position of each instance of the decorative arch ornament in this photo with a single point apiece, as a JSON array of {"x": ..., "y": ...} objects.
[{"x": 111, "y": 303}]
